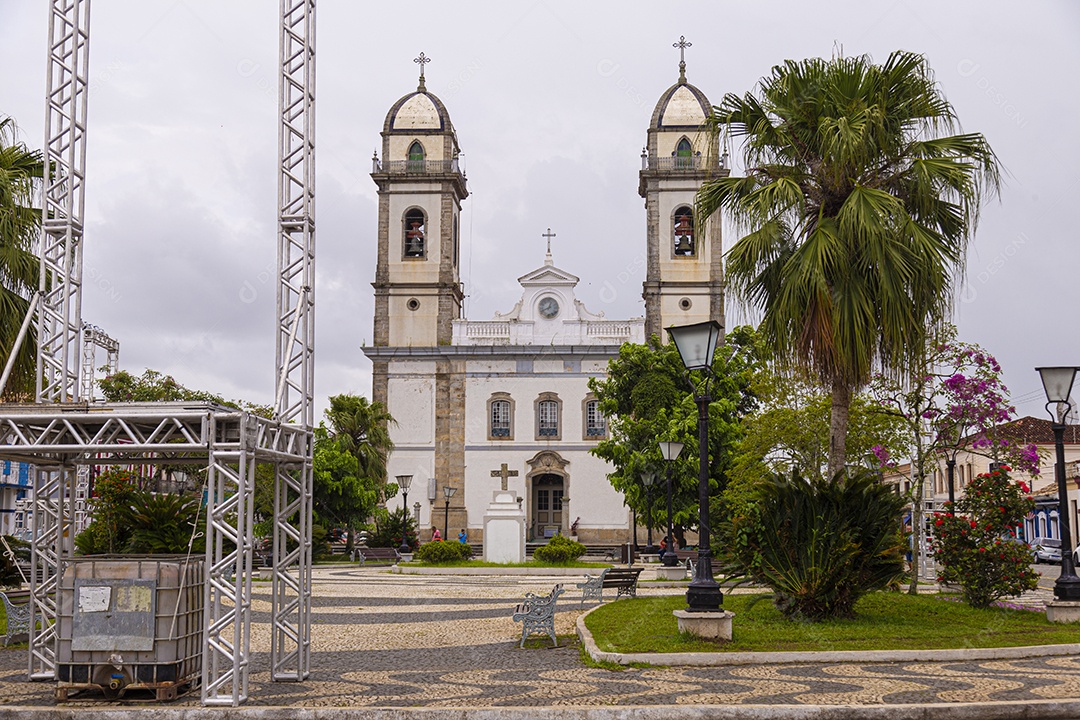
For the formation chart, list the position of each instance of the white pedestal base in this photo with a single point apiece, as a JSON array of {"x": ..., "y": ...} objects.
[
  {"x": 1063, "y": 611},
  {"x": 676, "y": 572},
  {"x": 709, "y": 625}
]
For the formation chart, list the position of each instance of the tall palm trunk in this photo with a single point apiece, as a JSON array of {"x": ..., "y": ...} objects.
[{"x": 838, "y": 425}]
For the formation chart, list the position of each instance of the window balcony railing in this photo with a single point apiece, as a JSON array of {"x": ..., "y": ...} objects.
[{"x": 415, "y": 167}]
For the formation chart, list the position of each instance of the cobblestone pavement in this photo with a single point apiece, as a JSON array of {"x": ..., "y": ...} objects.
[{"x": 382, "y": 640}]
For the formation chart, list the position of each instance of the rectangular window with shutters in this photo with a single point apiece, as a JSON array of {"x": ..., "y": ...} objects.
[
  {"x": 549, "y": 419},
  {"x": 500, "y": 418}
]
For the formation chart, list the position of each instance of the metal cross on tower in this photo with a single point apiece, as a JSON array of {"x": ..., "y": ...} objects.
[
  {"x": 682, "y": 45},
  {"x": 422, "y": 61}
]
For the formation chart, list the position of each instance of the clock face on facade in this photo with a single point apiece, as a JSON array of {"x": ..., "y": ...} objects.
[{"x": 549, "y": 307}]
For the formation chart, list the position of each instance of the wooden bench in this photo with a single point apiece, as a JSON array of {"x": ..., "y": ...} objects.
[
  {"x": 624, "y": 580},
  {"x": 537, "y": 614},
  {"x": 18, "y": 619},
  {"x": 363, "y": 554}
]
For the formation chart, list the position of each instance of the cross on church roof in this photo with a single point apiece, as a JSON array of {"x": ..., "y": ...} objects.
[
  {"x": 548, "y": 235},
  {"x": 682, "y": 45},
  {"x": 422, "y": 61}
]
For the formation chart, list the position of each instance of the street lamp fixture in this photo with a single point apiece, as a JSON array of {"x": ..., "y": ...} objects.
[
  {"x": 696, "y": 345},
  {"x": 648, "y": 479},
  {"x": 403, "y": 482},
  {"x": 1058, "y": 383},
  {"x": 670, "y": 451},
  {"x": 448, "y": 492}
]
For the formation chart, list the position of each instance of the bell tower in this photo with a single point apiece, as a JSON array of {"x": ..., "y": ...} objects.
[
  {"x": 684, "y": 276},
  {"x": 417, "y": 284}
]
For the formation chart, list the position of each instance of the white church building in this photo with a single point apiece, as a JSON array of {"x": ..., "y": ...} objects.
[{"x": 470, "y": 396}]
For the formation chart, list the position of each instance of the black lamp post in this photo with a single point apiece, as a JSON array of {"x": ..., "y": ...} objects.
[
  {"x": 950, "y": 468},
  {"x": 697, "y": 345},
  {"x": 448, "y": 492},
  {"x": 403, "y": 482},
  {"x": 648, "y": 479},
  {"x": 670, "y": 451},
  {"x": 1058, "y": 382}
]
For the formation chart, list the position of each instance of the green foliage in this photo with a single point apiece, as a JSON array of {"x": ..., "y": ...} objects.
[
  {"x": 342, "y": 496},
  {"x": 9, "y": 570},
  {"x": 21, "y": 170},
  {"x": 975, "y": 547},
  {"x": 165, "y": 524},
  {"x": 114, "y": 493},
  {"x": 152, "y": 386},
  {"x": 388, "y": 529},
  {"x": 646, "y": 399},
  {"x": 439, "y": 552},
  {"x": 559, "y": 550},
  {"x": 857, "y": 213},
  {"x": 791, "y": 432},
  {"x": 819, "y": 545}
]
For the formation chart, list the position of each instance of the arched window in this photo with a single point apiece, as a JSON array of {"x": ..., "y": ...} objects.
[
  {"x": 416, "y": 157},
  {"x": 683, "y": 243},
  {"x": 500, "y": 417},
  {"x": 415, "y": 227},
  {"x": 595, "y": 424},
  {"x": 684, "y": 154},
  {"x": 548, "y": 416}
]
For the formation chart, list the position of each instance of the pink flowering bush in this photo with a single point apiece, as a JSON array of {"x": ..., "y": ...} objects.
[{"x": 974, "y": 548}]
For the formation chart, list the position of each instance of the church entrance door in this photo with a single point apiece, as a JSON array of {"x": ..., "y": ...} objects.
[{"x": 547, "y": 507}]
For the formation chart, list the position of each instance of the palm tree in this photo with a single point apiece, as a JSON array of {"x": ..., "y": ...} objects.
[
  {"x": 857, "y": 208},
  {"x": 362, "y": 429},
  {"x": 20, "y": 171}
]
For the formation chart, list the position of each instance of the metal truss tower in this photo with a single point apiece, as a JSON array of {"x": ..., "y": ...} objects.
[
  {"x": 93, "y": 338},
  {"x": 291, "y": 606},
  {"x": 59, "y": 323}
]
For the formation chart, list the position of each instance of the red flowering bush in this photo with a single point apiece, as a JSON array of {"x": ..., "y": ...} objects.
[{"x": 975, "y": 548}]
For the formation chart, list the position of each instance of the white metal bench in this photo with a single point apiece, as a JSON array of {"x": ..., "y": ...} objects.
[
  {"x": 18, "y": 619},
  {"x": 537, "y": 614}
]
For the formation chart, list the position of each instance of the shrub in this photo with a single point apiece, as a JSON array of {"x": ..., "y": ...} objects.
[
  {"x": 975, "y": 548},
  {"x": 388, "y": 529},
  {"x": 819, "y": 545},
  {"x": 439, "y": 553},
  {"x": 166, "y": 523},
  {"x": 559, "y": 550},
  {"x": 109, "y": 531}
]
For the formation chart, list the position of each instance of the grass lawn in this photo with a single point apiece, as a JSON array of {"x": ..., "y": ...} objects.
[{"x": 884, "y": 621}]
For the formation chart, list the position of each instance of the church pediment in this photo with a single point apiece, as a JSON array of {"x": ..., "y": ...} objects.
[{"x": 548, "y": 275}]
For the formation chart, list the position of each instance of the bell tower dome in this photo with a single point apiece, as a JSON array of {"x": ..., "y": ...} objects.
[
  {"x": 417, "y": 284},
  {"x": 684, "y": 277}
]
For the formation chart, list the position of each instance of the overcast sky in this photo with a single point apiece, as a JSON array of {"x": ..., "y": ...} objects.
[{"x": 551, "y": 101}]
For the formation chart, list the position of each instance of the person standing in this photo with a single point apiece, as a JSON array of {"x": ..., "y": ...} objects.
[{"x": 435, "y": 534}]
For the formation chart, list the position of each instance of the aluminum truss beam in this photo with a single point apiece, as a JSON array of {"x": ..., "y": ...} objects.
[
  {"x": 93, "y": 338},
  {"x": 60, "y": 251},
  {"x": 58, "y": 439},
  {"x": 290, "y": 654}
]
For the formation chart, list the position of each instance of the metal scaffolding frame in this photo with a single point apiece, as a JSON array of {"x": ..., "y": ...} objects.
[
  {"x": 290, "y": 650},
  {"x": 60, "y": 433},
  {"x": 59, "y": 308},
  {"x": 94, "y": 338},
  {"x": 57, "y": 439}
]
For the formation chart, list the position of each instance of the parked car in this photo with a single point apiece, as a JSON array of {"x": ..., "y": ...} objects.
[{"x": 1048, "y": 550}]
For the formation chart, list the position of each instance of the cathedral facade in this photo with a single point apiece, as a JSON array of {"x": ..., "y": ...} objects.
[{"x": 484, "y": 405}]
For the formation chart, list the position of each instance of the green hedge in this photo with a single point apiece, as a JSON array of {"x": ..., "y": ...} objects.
[
  {"x": 439, "y": 552},
  {"x": 559, "y": 550}
]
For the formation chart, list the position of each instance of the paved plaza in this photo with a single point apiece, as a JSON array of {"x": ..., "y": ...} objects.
[{"x": 383, "y": 640}]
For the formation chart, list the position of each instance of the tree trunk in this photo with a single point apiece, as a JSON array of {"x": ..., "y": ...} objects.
[{"x": 838, "y": 425}]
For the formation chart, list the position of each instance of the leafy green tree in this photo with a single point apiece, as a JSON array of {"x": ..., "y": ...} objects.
[
  {"x": 342, "y": 496},
  {"x": 152, "y": 386},
  {"x": 791, "y": 430},
  {"x": 387, "y": 530},
  {"x": 21, "y": 169},
  {"x": 857, "y": 208},
  {"x": 646, "y": 400},
  {"x": 110, "y": 529},
  {"x": 361, "y": 429},
  {"x": 818, "y": 544}
]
